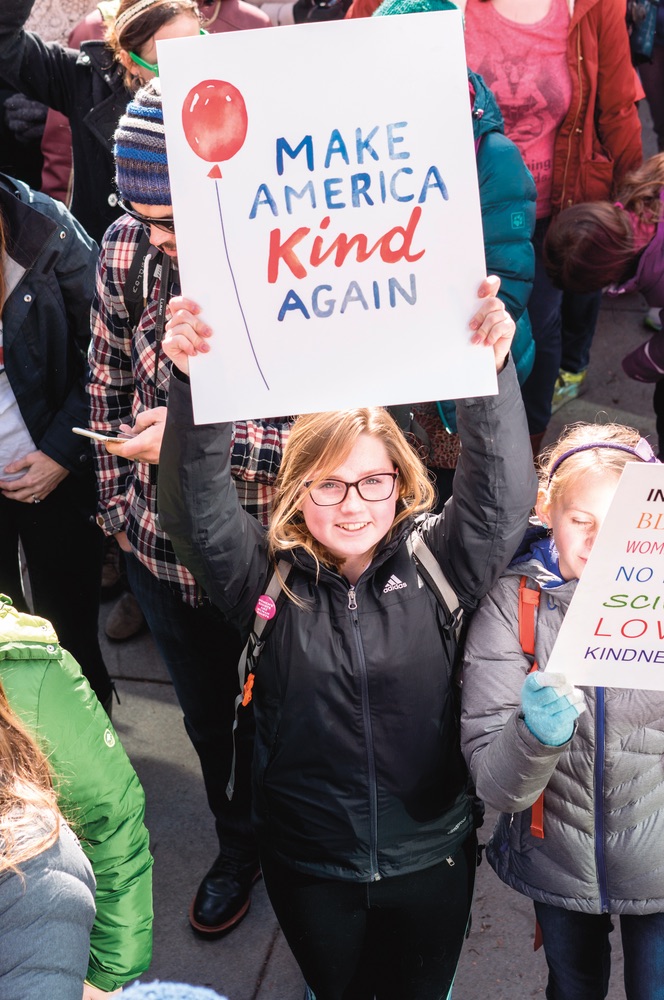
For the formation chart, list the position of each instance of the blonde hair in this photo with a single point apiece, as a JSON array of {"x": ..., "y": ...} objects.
[
  {"x": 317, "y": 445},
  {"x": 555, "y": 479},
  {"x": 29, "y": 817},
  {"x": 641, "y": 190}
]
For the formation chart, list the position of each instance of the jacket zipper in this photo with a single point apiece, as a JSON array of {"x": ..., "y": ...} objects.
[
  {"x": 600, "y": 858},
  {"x": 371, "y": 762},
  {"x": 578, "y": 112}
]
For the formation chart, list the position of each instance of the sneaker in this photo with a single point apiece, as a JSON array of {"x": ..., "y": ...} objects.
[
  {"x": 652, "y": 321},
  {"x": 125, "y": 620},
  {"x": 568, "y": 386}
]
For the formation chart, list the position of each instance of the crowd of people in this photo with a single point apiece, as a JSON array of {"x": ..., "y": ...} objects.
[{"x": 359, "y": 761}]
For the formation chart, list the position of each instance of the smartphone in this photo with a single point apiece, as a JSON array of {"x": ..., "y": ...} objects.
[{"x": 96, "y": 436}]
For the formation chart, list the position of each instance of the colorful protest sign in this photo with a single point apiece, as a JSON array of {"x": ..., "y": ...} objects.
[
  {"x": 325, "y": 195},
  {"x": 613, "y": 632}
]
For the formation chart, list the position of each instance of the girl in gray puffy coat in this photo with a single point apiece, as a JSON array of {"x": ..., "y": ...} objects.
[{"x": 593, "y": 851}]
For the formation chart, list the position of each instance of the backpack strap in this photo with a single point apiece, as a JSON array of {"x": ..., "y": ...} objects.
[
  {"x": 436, "y": 580},
  {"x": 528, "y": 603},
  {"x": 267, "y": 609},
  {"x": 141, "y": 276},
  {"x": 529, "y": 599}
]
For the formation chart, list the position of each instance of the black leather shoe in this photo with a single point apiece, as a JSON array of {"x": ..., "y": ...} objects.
[{"x": 223, "y": 896}]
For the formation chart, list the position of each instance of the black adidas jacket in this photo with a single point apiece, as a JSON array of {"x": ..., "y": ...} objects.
[{"x": 357, "y": 769}]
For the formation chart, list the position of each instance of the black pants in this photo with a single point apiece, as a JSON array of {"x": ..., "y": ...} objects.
[
  {"x": 63, "y": 552},
  {"x": 201, "y": 651},
  {"x": 395, "y": 939}
]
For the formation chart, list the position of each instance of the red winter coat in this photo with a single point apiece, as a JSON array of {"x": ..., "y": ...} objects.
[{"x": 600, "y": 139}]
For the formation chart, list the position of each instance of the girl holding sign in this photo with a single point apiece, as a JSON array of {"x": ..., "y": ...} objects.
[
  {"x": 591, "y": 848},
  {"x": 364, "y": 823}
]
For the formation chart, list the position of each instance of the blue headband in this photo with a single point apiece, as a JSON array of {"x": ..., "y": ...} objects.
[{"x": 642, "y": 451}]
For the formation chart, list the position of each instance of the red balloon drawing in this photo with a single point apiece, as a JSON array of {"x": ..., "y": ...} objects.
[{"x": 214, "y": 119}]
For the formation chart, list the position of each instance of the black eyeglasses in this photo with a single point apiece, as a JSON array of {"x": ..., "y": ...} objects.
[
  {"x": 167, "y": 224},
  {"x": 374, "y": 488}
]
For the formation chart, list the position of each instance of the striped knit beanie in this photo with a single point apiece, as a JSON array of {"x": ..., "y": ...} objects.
[
  {"x": 168, "y": 991},
  {"x": 141, "y": 167}
]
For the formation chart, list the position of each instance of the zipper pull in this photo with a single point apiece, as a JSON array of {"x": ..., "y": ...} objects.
[
  {"x": 352, "y": 603},
  {"x": 451, "y": 862}
]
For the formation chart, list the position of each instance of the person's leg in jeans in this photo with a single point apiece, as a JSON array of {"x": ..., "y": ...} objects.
[
  {"x": 10, "y": 570},
  {"x": 201, "y": 652},
  {"x": 579, "y": 318},
  {"x": 544, "y": 309},
  {"x": 643, "y": 949},
  {"x": 579, "y": 321},
  {"x": 578, "y": 952},
  {"x": 63, "y": 550},
  {"x": 652, "y": 78}
]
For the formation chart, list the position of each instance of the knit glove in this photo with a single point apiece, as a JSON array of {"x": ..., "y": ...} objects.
[
  {"x": 25, "y": 118},
  {"x": 550, "y": 706}
]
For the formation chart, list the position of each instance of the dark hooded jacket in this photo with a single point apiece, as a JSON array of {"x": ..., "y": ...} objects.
[
  {"x": 88, "y": 87},
  {"x": 46, "y": 321}
]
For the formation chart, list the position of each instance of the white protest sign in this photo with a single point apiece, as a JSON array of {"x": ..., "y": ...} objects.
[
  {"x": 325, "y": 195},
  {"x": 613, "y": 632}
]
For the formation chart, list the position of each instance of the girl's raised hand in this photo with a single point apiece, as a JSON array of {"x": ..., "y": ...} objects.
[
  {"x": 492, "y": 324},
  {"x": 185, "y": 333}
]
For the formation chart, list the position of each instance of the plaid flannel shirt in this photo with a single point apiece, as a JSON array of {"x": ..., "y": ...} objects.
[{"x": 122, "y": 383}]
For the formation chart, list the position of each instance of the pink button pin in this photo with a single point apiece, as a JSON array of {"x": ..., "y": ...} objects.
[{"x": 265, "y": 607}]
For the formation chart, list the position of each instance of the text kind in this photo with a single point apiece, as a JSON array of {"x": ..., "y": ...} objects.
[{"x": 394, "y": 246}]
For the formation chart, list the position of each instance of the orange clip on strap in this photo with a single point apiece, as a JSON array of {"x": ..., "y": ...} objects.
[
  {"x": 247, "y": 690},
  {"x": 538, "y": 941},
  {"x": 537, "y": 817},
  {"x": 528, "y": 601}
]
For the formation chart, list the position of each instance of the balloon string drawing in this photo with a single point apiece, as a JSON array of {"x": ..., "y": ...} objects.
[{"x": 214, "y": 119}]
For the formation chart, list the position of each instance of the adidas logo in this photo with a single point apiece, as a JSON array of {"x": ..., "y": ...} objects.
[{"x": 394, "y": 583}]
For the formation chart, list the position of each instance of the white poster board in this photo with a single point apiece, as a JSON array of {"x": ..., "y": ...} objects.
[
  {"x": 325, "y": 195},
  {"x": 613, "y": 632}
]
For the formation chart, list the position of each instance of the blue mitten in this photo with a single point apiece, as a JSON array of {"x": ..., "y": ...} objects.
[{"x": 550, "y": 706}]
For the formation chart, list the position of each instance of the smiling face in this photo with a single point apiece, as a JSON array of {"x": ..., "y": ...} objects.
[
  {"x": 575, "y": 516},
  {"x": 351, "y": 530}
]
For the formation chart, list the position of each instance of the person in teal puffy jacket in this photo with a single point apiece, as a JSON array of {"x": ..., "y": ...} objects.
[
  {"x": 507, "y": 201},
  {"x": 97, "y": 788}
]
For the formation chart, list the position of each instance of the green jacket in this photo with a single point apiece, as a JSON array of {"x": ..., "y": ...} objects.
[{"x": 98, "y": 790}]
